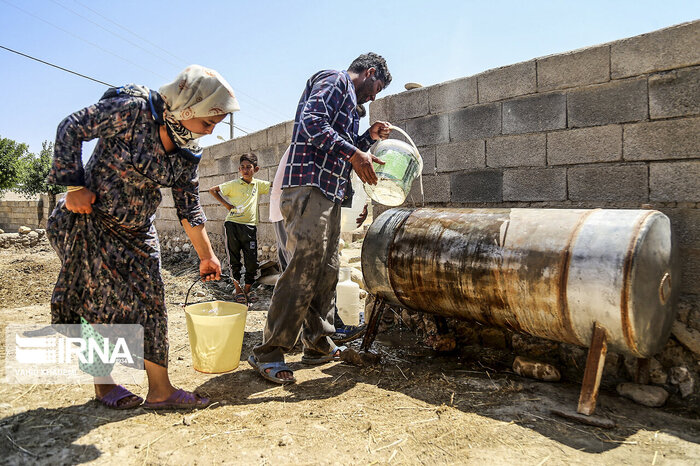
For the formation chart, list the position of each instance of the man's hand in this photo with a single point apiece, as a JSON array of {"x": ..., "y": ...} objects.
[
  {"x": 362, "y": 164},
  {"x": 80, "y": 201},
  {"x": 210, "y": 269},
  {"x": 379, "y": 130},
  {"x": 362, "y": 217}
]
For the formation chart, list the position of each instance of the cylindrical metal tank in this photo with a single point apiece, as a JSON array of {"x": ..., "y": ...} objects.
[{"x": 550, "y": 273}]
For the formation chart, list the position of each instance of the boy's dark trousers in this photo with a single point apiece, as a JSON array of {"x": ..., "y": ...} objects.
[{"x": 240, "y": 237}]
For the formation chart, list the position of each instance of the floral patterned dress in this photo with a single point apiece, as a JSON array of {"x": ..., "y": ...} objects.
[{"x": 110, "y": 258}]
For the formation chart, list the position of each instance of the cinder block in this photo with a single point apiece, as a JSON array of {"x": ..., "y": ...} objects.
[
  {"x": 165, "y": 226},
  {"x": 264, "y": 212},
  {"x": 477, "y": 186},
  {"x": 428, "y": 156},
  {"x": 378, "y": 110},
  {"x": 221, "y": 150},
  {"x": 479, "y": 121},
  {"x": 608, "y": 183},
  {"x": 435, "y": 187},
  {"x": 686, "y": 226},
  {"x": 459, "y": 156},
  {"x": 452, "y": 95},
  {"x": 241, "y": 145},
  {"x": 267, "y": 156},
  {"x": 540, "y": 112},
  {"x": 672, "y": 139},
  {"x": 166, "y": 213},
  {"x": 669, "y": 48},
  {"x": 257, "y": 139},
  {"x": 277, "y": 134},
  {"x": 429, "y": 130},
  {"x": 675, "y": 93},
  {"x": 534, "y": 184},
  {"x": 690, "y": 280},
  {"x": 226, "y": 166},
  {"x": 585, "y": 145},
  {"x": 207, "y": 167},
  {"x": 525, "y": 150},
  {"x": 408, "y": 104},
  {"x": 576, "y": 68},
  {"x": 602, "y": 104},
  {"x": 674, "y": 181},
  {"x": 508, "y": 81},
  {"x": 167, "y": 198}
]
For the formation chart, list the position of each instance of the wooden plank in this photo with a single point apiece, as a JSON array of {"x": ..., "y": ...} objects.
[{"x": 594, "y": 370}]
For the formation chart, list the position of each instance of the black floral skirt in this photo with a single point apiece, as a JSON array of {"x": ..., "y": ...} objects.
[{"x": 110, "y": 274}]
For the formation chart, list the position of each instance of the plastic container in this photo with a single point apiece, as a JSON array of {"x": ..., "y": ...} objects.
[
  {"x": 348, "y": 298},
  {"x": 403, "y": 164},
  {"x": 348, "y": 215},
  {"x": 215, "y": 330}
]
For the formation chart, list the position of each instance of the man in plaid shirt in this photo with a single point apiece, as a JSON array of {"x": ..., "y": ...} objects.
[{"x": 325, "y": 148}]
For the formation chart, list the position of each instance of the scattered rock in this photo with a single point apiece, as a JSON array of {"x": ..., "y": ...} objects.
[
  {"x": 177, "y": 249},
  {"x": 273, "y": 248},
  {"x": 441, "y": 343},
  {"x": 199, "y": 294},
  {"x": 24, "y": 230},
  {"x": 356, "y": 276},
  {"x": 536, "y": 370},
  {"x": 2, "y": 232},
  {"x": 657, "y": 374},
  {"x": 33, "y": 235},
  {"x": 688, "y": 337},
  {"x": 525, "y": 344},
  {"x": 286, "y": 441},
  {"x": 354, "y": 259},
  {"x": 362, "y": 359},
  {"x": 681, "y": 376},
  {"x": 266, "y": 248},
  {"x": 40, "y": 231},
  {"x": 186, "y": 247},
  {"x": 646, "y": 395}
]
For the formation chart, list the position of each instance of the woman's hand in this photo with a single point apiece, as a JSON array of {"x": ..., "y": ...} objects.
[
  {"x": 210, "y": 269},
  {"x": 80, "y": 201}
]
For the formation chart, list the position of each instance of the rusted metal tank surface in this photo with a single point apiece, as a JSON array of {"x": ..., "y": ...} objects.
[{"x": 550, "y": 273}]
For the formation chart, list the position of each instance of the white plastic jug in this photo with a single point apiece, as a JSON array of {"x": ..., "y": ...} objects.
[
  {"x": 348, "y": 298},
  {"x": 348, "y": 215}
]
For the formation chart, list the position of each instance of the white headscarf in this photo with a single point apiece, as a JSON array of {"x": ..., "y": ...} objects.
[{"x": 196, "y": 92}]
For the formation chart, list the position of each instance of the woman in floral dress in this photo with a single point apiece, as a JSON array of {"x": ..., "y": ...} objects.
[{"x": 103, "y": 231}]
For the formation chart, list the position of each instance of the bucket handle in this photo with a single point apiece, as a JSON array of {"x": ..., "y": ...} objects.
[{"x": 187, "y": 296}]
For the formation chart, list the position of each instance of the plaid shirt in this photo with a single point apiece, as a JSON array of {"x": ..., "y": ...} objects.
[{"x": 325, "y": 136}]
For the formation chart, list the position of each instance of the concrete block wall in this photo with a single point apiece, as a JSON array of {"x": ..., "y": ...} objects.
[
  {"x": 219, "y": 164},
  {"x": 16, "y": 211},
  {"x": 616, "y": 125}
]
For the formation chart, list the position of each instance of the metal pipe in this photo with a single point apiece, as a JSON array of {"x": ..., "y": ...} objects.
[{"x": 551, "y": 273}]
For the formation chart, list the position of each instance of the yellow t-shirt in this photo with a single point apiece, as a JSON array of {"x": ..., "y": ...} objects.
[{"x": 244, "y": 198}]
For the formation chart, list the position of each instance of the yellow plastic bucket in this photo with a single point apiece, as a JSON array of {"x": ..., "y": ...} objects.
[{"x": 215, "y": 330}]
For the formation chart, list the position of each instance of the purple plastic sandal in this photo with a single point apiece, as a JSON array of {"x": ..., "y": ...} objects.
[
  {"x": 118, "y": 393},
  {"x": 180, "y": 399}
]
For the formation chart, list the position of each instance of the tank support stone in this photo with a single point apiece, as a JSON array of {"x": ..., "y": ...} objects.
[{"x": 594, "y": 371}]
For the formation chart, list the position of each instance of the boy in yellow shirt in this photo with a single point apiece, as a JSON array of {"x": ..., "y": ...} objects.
[{"x": 241, "y": 222}]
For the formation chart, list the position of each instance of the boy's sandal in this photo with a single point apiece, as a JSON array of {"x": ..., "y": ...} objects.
[
  {"x": 240, "y": 298},
  {"x": 180, "y": 399},
  {"x": 252, "y": 297},
  {"x": 114, "y": 396},
  {"x": 333, "y": 355},
  {"x": 275, "y": 368}
]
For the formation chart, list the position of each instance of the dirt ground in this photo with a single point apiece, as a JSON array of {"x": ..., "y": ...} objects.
[{"x": 415, "y": 407}]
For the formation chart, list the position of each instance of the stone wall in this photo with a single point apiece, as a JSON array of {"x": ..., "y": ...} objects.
[
  {"x": 219, "y": 164},
  {"x": 17, "y": 211}
]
